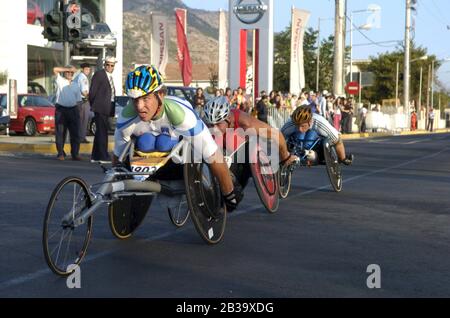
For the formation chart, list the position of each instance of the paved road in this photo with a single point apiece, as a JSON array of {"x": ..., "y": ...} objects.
[{"x": 394, "y": 211}]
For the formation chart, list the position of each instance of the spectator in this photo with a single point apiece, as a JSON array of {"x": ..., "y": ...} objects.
[
  {"x": 272, "y": 98},
  {"x": 199, "y": 101},
  {"x": 101, "y": 98},
  {"x": 347, "y": 112},
  {"x": 228, "y": 94},
  {"x": 413, "y": 120},
  {"x": 84, "y": 108},
  {"x": 430, "y": 119},
  {"x": 323, "y": 104},
  {"x": 240, "y": 99},
  {"x": 261, "y": 108},
  {"x": 217, "y": 94},
  {"x": 362, "y": 119},
  {"x": 313, "y": 102},
  {"x": 337, "y": 114},
  {"x": 67, "y": 116}
]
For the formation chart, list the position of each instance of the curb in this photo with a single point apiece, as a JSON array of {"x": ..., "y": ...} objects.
[{"x": 47, "y": 149}]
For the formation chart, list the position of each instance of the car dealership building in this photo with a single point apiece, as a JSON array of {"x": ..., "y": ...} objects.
[{"x": 27, "y": 57}]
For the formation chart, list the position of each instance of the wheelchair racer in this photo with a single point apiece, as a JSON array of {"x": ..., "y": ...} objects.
[
  {"x": 305, "y": 126},
  {"x": 218, "y": 114},
  {"x": 164, "y": 119}
]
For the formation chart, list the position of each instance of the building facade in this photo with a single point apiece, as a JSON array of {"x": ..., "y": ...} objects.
[{"x": 27, "y": 57}]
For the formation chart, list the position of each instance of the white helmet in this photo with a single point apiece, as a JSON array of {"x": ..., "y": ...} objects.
[{"x": 216, "y": 110}]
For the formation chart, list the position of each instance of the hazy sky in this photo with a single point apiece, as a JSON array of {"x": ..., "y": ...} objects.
[{"x": 432, "y": 24}]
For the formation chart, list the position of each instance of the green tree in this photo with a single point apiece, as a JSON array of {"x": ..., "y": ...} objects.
[
  {"x": 3, "y": 77},
  {"x": 282, "y": 64},
  {"x": 384, "y": 67}
]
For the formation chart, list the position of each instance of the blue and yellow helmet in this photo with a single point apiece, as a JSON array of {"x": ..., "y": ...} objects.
[{"x": 143, "y": 80}]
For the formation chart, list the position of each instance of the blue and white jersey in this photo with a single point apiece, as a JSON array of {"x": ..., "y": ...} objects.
[
  {"x": 177, "y": 119},
  {"x": 320, "y": 125}
]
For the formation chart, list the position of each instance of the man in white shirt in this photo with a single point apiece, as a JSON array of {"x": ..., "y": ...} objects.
[
  {"x": 84, "y": 107},
  {"x": 66, "y": 114}
]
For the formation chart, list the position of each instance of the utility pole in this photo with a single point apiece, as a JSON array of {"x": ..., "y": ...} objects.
[
  {"x": 396, "y": 85},
  {"x": 419, "y": 108},
  {"x": 318, "y": 57},
  {"x": 339, "y": 46},
  {"x": 407, "y": 56},
  {"x": 432, "y": 84},
  {"x": 66, "y": 45},
  {"x": 351, "y": 46}
]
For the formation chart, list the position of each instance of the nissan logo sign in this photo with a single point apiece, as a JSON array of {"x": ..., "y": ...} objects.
[{"x": 249, "y": 13}]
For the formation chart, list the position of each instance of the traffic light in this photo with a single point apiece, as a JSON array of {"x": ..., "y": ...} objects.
[
  {"x": 72, "y": 18},
  {"x": 53, "y": 26}
]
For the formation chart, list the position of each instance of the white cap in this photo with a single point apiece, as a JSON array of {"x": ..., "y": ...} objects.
[
  {"x": 325, "y": 93},
  {"x": 111, "y": 59}
]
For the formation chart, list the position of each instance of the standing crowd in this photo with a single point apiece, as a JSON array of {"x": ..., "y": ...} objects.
[
  {"x": 76, "y": 99},
  {"x": 337, "y": 110}
]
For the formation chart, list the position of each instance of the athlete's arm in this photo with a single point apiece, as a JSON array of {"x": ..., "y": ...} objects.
[{"x": 264, "y": 130}]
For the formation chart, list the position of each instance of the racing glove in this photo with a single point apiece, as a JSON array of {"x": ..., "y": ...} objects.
[{"x": 232, "y": 199}]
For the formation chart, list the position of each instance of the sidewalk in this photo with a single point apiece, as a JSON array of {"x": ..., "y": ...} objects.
[{"x": 45, "y": 145}]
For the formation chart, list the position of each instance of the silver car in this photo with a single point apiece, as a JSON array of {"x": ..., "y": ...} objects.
[{"x": 97, "y": 35}]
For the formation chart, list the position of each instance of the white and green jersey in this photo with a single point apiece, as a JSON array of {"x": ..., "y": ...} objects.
[{"x": 177, "y": 119}]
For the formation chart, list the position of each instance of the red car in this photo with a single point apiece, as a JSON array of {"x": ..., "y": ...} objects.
[
  {"x": 34, "y": 14},
  {"x": 36, "y": 114}
]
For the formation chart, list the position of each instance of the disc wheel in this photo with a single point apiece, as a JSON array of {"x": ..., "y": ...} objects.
[
  {"x": 65, "y": 242},
  {"x": 205, "y": 202},
  {"x": 265, "y": 180}
]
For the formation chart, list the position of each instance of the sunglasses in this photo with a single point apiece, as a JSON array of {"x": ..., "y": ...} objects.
[{"x": 112, "y": 65}]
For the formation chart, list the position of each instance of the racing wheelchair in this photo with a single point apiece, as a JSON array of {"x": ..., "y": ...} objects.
[
  {"x": 128, "y": 189},
  {"x": 311, "y": 152}
]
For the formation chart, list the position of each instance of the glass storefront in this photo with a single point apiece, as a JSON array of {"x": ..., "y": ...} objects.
[{"x": 40, "y": 66}]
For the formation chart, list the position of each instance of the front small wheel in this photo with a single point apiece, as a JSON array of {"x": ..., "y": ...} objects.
[
  {"x": 285, "y": 179},
  {"x": 65, "y": 239},
  {"x": 179, "y": 214}
]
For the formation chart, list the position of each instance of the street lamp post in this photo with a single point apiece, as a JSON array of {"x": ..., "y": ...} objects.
[{"x": 366, "y": 26}]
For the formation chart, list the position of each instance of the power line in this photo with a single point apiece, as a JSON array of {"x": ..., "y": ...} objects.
[{"x": 367, "y": 38}]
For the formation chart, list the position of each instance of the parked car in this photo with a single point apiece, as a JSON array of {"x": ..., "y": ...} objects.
[
  {"x": 97, "y": 35},
  {"x": 34, "y": 13},
  {"x": 35, "y": 114},
  {"x": 36, "y": 88},
  {"x": 186, "y": 92},
  {"x": 121, "y": 102}
]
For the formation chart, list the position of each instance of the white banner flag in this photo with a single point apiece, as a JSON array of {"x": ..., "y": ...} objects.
[
  {"x": 160, "y": 44},
  {"x": 223, "y": 50},
  {"x": 299, "y": 21}
]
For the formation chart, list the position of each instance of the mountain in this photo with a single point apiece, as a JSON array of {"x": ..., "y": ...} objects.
[{"x": 202, "y": 31}]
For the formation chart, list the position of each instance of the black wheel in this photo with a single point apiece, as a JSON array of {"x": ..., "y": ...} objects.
[
  {"x": 333, "y": 168},
  {"x": 30, "y": 127},
  {"x": 285, "y": 178},
  {"x": 179, "y": 213},
  {"x": 92, "y": 127},
  {"x": 64, "y": 242},
  {"x": 126, "y": 214},
  {"x": 265, "y": 180},
  {"x": 205, "y": 202}
]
